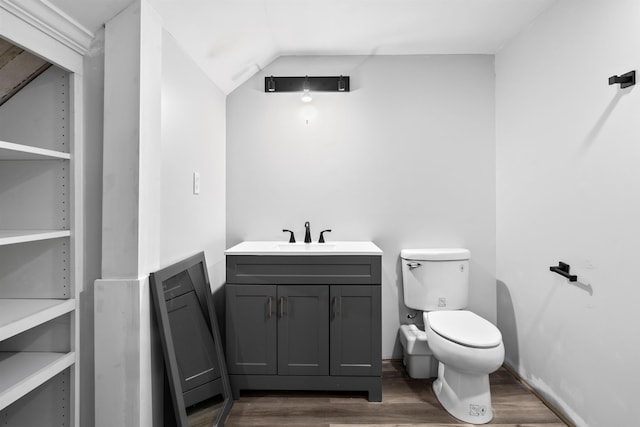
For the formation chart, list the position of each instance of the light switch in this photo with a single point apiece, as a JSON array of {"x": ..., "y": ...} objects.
[{"x": 196, "y": 183}]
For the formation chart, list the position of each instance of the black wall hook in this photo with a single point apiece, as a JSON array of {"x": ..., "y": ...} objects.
[
  {"x": 625, "y": 80},
  {"x": 563, "y": 270}
]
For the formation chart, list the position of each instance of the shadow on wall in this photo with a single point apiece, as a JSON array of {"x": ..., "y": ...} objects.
[
  {"x": 594, "y": 132},
  {"x": 406, "y": 315},
  {"x": 219, "y": 305},
  {"x": 506, "y": 320},
  {"x": 403, "y": 311}
]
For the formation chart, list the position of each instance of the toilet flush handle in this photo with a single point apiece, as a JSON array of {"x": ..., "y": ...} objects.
[{"x": 413, "y": 264}]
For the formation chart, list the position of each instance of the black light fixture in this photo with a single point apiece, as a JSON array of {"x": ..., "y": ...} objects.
[
  {"x": 270, "y": 84},
  {"x": 311, "y": 83}
]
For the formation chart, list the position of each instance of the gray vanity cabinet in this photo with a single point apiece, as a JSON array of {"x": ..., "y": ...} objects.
[
  {"x": 304, "y": 323},
  {"x": 251, "y": 329},
  {"x": 303, "y": 330},
  {"x": 278, "y": 330},
  {"x": 355, "y": 330}
]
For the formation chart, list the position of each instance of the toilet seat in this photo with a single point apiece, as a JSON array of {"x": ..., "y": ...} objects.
[{"x": 464, "y": 328}]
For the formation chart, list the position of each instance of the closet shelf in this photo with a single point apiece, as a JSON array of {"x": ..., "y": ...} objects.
[
  {"x": 10, "y": 237},
  {"x": 19, "y": 315},
  {"x": 21, "y": 372},
  {"x": 11, "y": 151}
]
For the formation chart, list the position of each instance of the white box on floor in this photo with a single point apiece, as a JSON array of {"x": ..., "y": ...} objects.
[{"x": 418, "y": 357}]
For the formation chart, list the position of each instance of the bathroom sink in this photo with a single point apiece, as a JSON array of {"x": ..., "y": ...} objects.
[
  {"x": 306, "y": 247},
  {"x": 283, "y": 248}
]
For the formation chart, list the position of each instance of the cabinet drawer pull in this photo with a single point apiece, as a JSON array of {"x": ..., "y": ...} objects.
[
  {"x": 334, "y": 305},
  {"x": 270, "y": 307},
  {"x": 281, "y": 307}
]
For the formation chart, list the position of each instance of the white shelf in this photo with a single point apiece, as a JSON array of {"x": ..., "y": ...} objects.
[
  {"x": 11, "y": 151},
  {"x": 40, "y": 282},
  {"x": 10, "y": 237},
  {"x": 21, "y": 372},
  {"x": 19, "y": 315}
]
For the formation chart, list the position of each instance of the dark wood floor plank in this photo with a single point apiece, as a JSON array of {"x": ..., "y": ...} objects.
[
  {"x": 446, "y": 425},
  {"x": 405, "y": 402}
]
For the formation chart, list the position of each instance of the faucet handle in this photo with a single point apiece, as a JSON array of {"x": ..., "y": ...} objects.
[
  {"x": 292, "y": 238},
  {"x": 307, "y": 232},
  {"x": 321, "y": 239}
]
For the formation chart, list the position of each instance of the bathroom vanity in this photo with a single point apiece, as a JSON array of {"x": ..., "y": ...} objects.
[{"x": 304, "y": 317}]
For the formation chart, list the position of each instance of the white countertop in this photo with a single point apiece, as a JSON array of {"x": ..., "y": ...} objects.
[{"x": 284, "y": 248}]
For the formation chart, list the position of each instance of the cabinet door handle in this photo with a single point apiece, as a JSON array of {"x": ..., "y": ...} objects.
[
  {"x": 281, "y": 307},
  {"x": 334, "y": 305},
  {"x": 270, "y": 309}
]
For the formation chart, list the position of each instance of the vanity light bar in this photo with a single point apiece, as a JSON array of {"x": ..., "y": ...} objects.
[{"x": 314, "y": 84}]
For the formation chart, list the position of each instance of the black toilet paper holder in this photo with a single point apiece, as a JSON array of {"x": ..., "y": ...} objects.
[
  {"x": 624, "y": 80},
  {"x": 563, "y": 270}
]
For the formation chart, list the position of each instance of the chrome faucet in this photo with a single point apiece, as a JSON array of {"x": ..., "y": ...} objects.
[{"x": 307, "y": 232}]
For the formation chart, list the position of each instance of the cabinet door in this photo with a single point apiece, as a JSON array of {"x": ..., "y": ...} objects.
[
  {"x": 194, "y": 348},
  {"x": 251, "y": 329},
  {"x": 355, "y": 330},
  {"x": 303, "y": 330}
]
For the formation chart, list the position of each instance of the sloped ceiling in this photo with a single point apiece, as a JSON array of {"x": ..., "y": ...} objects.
[
  {"x": 17, "y": 68},
  {"x": 233, "y": 39}
]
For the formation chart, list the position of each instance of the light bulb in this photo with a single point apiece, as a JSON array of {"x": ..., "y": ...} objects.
[{"x": 306, "y": 96}]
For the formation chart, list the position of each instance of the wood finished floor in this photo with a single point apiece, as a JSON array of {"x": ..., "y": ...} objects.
[{"x": 405, "y": 402}]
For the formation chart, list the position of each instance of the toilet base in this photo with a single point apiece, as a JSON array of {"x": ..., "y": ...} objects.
[{"x": 465, "y": 396}]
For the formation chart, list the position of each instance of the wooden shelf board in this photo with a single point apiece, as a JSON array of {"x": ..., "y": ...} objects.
[
  {"x": 21, "y": 372},
  {"x": 19, "y": 315},
  {"x": 10, "y": 237},
  {"x": 11, "y": 151}
]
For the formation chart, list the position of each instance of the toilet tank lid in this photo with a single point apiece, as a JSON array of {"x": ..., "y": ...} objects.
[{"x": 436, "y": 254}]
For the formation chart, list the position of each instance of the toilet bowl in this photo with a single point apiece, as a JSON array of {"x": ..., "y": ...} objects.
[{"x": 468, "y": 348}]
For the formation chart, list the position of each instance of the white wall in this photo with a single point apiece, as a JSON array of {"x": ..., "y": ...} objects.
[
  {"x": 127, "y": 356},
  {"x": 193, "y": 140},
  {"x": 567, "y": 190},
  {"x": 163, "y": 119},
  {"x": 93, "y": 127},
  {"x": 406, "y": 159}
]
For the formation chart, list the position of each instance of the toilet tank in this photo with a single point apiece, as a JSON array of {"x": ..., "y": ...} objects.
[{"x": 435, "y": 279}]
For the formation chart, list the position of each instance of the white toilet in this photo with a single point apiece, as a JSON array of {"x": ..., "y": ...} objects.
[{"x": 467, "y": 347}]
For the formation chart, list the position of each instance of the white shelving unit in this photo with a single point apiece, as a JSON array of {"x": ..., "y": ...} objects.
[
  {"x": 22, "y": 372},
  {"x": 21, "y": 314},
  {"x": 11, "y": 151},
  {"x": 38, "y": 292},
  {"x": 9, "y": 237}
]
